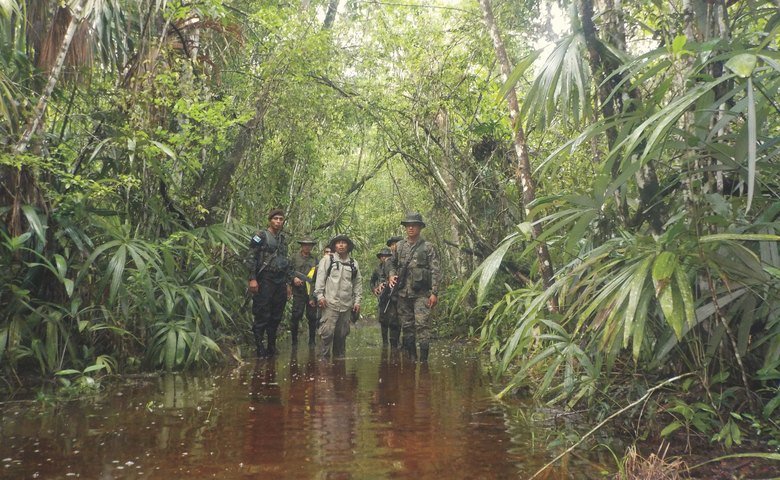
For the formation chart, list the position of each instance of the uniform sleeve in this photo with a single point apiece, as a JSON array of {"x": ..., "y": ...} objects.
[
  {"x": 433, "y": 261},
  {"x": 393, "y": 263},
  {"x": 252, "y": 259},
  {"x": 376, "y": 277}
]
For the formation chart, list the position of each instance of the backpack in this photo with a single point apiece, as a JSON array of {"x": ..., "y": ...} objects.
[{"x": 351, "y": 265}]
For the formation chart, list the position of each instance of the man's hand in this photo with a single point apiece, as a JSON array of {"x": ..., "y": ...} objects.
[
  {"x": 322, "y": 302},
  {"x": 254, "y": 287},
  {"x": 297, "y": 282},
  {"x": 356, "y": 308},
  {"x": 393, "y": 280},
  {"x": 432, "y": 301}
]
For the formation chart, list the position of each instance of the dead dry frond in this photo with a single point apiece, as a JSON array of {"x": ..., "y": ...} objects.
[{"x": 653, "y": 467}]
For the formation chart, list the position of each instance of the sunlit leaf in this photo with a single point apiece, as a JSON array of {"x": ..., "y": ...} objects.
[{"x": 742, "y": 64}]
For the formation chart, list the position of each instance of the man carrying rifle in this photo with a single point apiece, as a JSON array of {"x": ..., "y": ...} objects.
[
  {"x": 383, "y": 292},
  {"x": 303, "y": 264},
  {"x": 415, "y": 276}
]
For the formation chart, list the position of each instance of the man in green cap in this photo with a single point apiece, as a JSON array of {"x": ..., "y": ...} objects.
[
  {"x": 303, "y": 264},
  {"x": 269, "y": 274},
  {"x": 382, "y": 291},
  {"x": 415, "y": 276},
  {"x": 339, "y": 291}
]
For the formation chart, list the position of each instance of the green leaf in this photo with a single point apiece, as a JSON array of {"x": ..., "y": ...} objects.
[
  {"x": 664, "y": 266},
  {"x": 35, "y": 222},
  {"x": 671, "y": 428},
  {"x": 165, "y": 149},
  {"x": 742, "y": 64},
  {"x": 678, "y": 44}
]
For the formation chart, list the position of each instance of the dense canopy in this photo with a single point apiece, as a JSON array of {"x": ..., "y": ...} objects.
[{"x": 600, "y": 178}]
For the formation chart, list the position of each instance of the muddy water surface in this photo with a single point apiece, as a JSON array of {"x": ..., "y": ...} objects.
[{"x": 372, "y": 415}]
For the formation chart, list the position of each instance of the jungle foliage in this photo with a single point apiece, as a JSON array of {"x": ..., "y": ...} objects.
[{"x": 142, "y": 141}]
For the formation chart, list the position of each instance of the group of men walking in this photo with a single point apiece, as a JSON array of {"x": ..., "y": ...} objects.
[{"x": 328, "y": 291}]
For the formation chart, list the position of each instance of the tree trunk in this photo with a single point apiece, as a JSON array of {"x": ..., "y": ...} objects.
[
  {"x": 330, "y": 15},
  {"x": 523, "y": 172}
]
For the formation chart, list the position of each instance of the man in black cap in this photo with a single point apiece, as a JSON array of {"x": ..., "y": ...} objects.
[
  {"x": 390, "y": 306},
  {"x": 382, "y": 291},
  {"x": 339, "y": 291},
  {"x": 415, "y": 276},
  {"x": 269, "y": 274},
  {"x": 303, "y": 264}
]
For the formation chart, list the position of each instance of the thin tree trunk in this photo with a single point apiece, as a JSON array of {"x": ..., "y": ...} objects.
[
  {"x": 521, "y": 148},
  {"x": 330, "y": 15},
  {"x": 40, "y": 109}
]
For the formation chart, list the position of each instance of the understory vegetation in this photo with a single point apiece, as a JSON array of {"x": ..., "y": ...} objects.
[{"x": 600, "y": 179}]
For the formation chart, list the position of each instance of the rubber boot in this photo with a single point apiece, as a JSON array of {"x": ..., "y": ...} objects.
[
  {"x": 259, "y": 333},
  {"x": 424, "y": 347},
  {"x": 409, "y": 347},
  {"x": 294, "y": 335},
  {"x": 312, "y": 333},
  {"x": 395, "y": 335},
  {"x": 271, "y": 350}
]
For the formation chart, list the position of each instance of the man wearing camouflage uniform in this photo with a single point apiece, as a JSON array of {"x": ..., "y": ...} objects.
[
  {"x": 415, "y": 277},
  {"x": 382, "y": 291},
  {"x": 303, "y": 263},
  {"x": 269, "y": 275}
]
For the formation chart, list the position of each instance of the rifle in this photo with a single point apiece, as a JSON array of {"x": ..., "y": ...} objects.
[{"x": 386, "y": 296}]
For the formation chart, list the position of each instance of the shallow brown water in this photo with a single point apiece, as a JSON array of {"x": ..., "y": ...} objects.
[{"x": 372, "y": 415}]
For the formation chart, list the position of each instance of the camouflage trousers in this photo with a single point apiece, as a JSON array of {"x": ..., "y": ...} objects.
[{"x": 415, "y": 318}]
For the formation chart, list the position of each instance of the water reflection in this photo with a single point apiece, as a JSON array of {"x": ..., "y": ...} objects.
[{"x": 374, "y": 414}]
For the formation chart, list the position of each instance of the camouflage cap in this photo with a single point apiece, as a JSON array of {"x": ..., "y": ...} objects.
[
  {"x": 307, "y": 240},
  {"x": 385, "y": 252},
  {"x": 393, "y": 239},
  {"x": 413, "y": 218}
]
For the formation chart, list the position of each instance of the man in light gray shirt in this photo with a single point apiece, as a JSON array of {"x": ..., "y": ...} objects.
[{"x": 338, "y": 290}]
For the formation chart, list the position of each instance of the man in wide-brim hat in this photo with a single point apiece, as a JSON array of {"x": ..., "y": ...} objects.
[
  {"x": 338, "y": 291},
  {"x": 415, "y": 276},
  {"x": 303, "y": 264}
]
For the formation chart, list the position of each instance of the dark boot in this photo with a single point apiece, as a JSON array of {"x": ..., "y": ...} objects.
[
  {"x": 294, "y": 335},
  {"x": 259, "y": 333},
  {"x": 271, "y": 350},
  {"x": 384, "y": 334},
  {"x": 312, "y": 333},
  {"x": 395, "y": 334},
  {"x": 409, "y": 347},
  {"x": 424, "y": 347}
]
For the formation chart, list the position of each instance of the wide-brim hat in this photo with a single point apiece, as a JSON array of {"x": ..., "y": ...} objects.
[
  {"x": 413, "y": 218},
  {"x": 350, "y": 243},
  {"x": 385, "y": 252},
  {"x": 393, "y": 240},
  {"x": 307, "y": 240}
]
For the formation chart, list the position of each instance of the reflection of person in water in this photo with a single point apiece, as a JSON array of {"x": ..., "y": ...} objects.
[
  {"x": 266, "y": 427},
  {"x": 335, "y": 417},
  {"x": 402, "y": 406}
]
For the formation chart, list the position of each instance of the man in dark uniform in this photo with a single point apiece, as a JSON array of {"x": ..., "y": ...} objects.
[
  {"x": 269, "y": 275},
  {"x": 390, "y": 306},
  {"x": 415, "y": 276},
  {"x": 382, "y": 291},
  {"x": 303, "y": 264}
]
